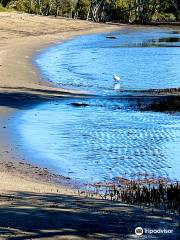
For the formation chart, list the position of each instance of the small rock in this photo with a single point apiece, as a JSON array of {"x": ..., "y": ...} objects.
[
  {"x": 111, "y": 37},
  {"x": 79, "y": 104}
]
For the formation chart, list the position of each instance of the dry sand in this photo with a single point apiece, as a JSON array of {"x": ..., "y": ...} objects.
[
  {"x": 22, "y": 35},
  {"x": 32, "y": 206}
]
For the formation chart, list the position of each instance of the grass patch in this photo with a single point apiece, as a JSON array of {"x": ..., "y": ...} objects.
[{"x": 3, "y": 9}]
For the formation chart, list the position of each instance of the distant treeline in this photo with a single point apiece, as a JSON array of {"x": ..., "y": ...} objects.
[{"x": 133, "y": 11}]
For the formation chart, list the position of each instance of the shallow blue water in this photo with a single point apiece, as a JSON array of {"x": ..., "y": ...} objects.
[
  {"x": 144, "y": 58},
  {"x": 104, "y": 139}
]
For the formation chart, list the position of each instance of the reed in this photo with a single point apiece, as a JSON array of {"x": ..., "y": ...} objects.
[{"x": 145, "y": 191}]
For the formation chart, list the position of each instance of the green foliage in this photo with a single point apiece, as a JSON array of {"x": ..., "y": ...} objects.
[
  {"x": 165, "y": 6},
  {"x": 83, "y": 8},
  {"x": 2, "y": 9},
  {"x": 108, "y": 10},
  {"x": 4, "y": 3},
  {"x": 164, "y": 17},
  {"x": 117, "y": 10},
  {"x": 66, "y": 7},
  {"x": 122, "y": 10},
  {"x": 23, "y": 5},
  {"x": 5, "y": 9}
]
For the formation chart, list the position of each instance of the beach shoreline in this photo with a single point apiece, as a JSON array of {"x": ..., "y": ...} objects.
[
  {"x": 23, "y": 36},
  {"x": 21, "y": 83},
  {"x": 32, "y": 205}
]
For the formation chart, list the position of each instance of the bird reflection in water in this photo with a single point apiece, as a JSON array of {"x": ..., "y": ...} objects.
[{"x": 117, "y": 86}]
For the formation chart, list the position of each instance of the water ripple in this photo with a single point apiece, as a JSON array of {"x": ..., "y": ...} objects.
[{"x": 98, "y": 145}]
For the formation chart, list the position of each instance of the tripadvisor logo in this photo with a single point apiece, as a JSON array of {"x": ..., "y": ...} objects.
[{"x": 139, "y": 231}]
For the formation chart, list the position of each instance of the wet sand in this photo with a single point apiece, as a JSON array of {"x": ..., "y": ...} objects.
[
  {"x": 31, "y": 204},
  {"x": 23, "y": 35}
]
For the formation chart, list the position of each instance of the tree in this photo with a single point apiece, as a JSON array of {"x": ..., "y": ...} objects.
[
  {"x": 176, "y": 4},
  {"x": 81, "y": 9},
  {"x": 144, "y": 10},
  {"x": 4, "y": 3},
  {"x": 138, "y": 11}
]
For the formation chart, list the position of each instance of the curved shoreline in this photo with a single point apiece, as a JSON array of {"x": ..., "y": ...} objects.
[
  {"x": 31, "y": 205},
  {"x": 17, "y": 92},
  {"x": 22, "y": 85}
]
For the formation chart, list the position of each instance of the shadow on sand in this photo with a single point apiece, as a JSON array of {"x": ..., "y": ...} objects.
[
  {"x": 22, "y": 98},
  {"x": 150, "y": 100},
  {"x": 25, "y": 215}
]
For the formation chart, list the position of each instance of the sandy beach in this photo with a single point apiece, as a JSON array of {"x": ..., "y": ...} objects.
[
  {"x": 22, "y": 35},
  {"x": 32, "y": 206}
]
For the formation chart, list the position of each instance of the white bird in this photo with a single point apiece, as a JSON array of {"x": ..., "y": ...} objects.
[{"x": 116, "y": 78}]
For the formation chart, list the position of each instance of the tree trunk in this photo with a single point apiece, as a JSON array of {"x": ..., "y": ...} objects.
[
  {"x": 77, "y": 9},
  {"x": 176, "y": 4}
]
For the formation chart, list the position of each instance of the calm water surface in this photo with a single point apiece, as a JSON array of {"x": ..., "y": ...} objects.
[
  {"x": 144, "y": 58},
  {"x": 104, "y": 139}
]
